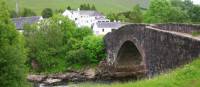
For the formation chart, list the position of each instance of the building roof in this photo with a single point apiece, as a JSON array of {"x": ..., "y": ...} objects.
[
  {"x": 21, "y": 21},
  {"x": 113, "y": 25},
  {"x": 88, "y": 12},
  {"x": 101, "y": 18}
]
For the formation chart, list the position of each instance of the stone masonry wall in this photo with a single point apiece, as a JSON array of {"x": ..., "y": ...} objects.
[
  {"x": 184, "y": 28},
  {"x": 160, "y": 50}
]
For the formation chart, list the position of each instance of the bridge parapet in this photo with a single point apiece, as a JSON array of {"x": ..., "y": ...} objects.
[{"x": 183, "y": 28}]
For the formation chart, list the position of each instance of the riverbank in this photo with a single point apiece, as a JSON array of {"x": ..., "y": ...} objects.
[{"x": 187, "y": 76}]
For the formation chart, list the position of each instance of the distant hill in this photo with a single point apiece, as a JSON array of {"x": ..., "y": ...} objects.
[{"x": 105, "y": 6}]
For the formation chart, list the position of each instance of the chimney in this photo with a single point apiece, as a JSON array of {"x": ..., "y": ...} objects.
[
  {"x": 78, "y": 9},
  {"x": 17, "y": 7}
]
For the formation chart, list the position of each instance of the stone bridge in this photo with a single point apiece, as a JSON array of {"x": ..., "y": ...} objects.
[{"x": 153, "y": 48}]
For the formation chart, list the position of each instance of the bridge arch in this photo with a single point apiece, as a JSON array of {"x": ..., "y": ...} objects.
[{"x": 128, "y": 55}]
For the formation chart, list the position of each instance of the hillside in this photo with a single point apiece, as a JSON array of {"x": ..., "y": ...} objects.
[
  {"x": 105, "y": 6},
  {"x": 187, "y": 76}
]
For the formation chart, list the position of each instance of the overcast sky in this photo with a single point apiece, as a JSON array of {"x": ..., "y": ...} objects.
[{"x": 196, "y": 1}]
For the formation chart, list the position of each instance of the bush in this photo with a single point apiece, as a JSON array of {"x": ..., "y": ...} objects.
[
  {"x": 91, "y": 52},
  {"x": 95, "y": 46}
]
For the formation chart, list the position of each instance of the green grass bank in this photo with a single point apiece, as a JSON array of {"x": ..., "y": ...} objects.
[{"x": 187, "y": 76}]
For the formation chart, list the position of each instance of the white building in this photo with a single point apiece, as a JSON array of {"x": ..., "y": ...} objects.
[
  {"x": 93, "y": 19},
  {"x": 102, "y": 28},
  {"x": 85, "y": 18}
]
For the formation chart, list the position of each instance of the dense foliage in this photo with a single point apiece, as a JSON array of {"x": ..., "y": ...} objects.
[
  {"x": 56, "y": 45},
  {"x": 47, "y": 12},
  {"x": 27, "y": 12},
  {"x": 161, "y": 11},
  {"x": 133, "y": 16},
  {"x": 87, "y": 7},
  {"x": 12, "y": 53}
]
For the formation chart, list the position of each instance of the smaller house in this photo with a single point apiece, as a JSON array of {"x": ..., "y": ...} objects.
[
  {"x": 21, "y": 21},
  {"x": 102, "y": 28}
]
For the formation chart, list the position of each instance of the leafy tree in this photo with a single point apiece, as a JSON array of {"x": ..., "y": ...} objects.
[
  {"x": 136, "y": 15},
  {"x": 188, "y": 6},
  {"x": 27, "y": 12},
  {"x": 57, "y": 11},
  {"x": 80, "y": 33},
  {"x": 47, "y": 12},
  {"x": 12, "y": 52},
  {"x": 47, "y": 44},
  {"x": 13, "y": 14},
  {"x": 90, "y": 52},
  {"x": 69, "y": 8},
  {"x": 93, "y": 7},
  {"x": 178, "y": 3},
  {"x": 112, "y": 16},
  {"x": 161, "y": 11},
  {"x": 122, "y": 18},
  {"x": 95, "y": 47},
  {"x": 194, "y": 14},
  {"x": 85, "y": 7}
]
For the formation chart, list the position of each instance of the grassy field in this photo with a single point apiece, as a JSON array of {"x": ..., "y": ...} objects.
[
  {"x": 187, "y": 76},
  {"x": 105, "y": 6}
]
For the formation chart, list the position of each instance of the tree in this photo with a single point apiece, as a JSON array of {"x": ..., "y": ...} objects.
[
  {"x": 86, "y": 7},
  {"x": 112, "y": 16},
  {"x": 136, "y": 15},
  {"x": 95, "y": 47},
  {"x": 12, "y": 52},
  {"x": 122, "y": 18},
  {"x": 48, "y": 44},
  {"x": 47, "y": 12},
  {"x": 69, "y": 8},
  {"x": 93, "y": 7},
  {"x": 188, "y": 6},
  {"x": 161, "y": 11},
  {"x": 13, "y": 14},
  {"x": 194, "y": 14},
  {"x": 27, "y": 12}
]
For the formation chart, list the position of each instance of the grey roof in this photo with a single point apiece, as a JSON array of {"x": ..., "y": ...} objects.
[
  {"x": 19, "y": 22},
  {"x": 89, "y": 12},
  {"x": 101, "y": 18},
  {"x": 113, "y": 25}
]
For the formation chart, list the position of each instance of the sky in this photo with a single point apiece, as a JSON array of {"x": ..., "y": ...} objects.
[{"x": 196, "y": 1}]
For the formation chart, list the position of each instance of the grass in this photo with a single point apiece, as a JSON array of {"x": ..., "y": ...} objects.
[
  {"x": 195, "y": 33},
  {"x": 105, "y": 6},
  {"x": 187, "y": 76}
]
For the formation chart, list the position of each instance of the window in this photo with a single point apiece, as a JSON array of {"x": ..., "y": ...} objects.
[
  {"x": 102, "y": 30},
  {"x": 97, "y": 32}
]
